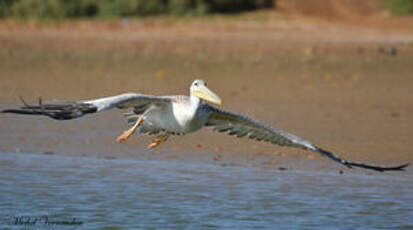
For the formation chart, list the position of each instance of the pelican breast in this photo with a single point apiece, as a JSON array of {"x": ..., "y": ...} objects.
[{"x": 188, "y": 114}]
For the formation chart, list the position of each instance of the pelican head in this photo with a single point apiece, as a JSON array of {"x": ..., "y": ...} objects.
[{"x": 200, "y": 89}]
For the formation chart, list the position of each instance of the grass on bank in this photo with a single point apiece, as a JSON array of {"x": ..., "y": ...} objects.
[{"x": 60, "y": 9}]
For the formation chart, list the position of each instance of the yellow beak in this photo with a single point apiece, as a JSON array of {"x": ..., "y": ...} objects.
[{"x": 207, "y": 95}]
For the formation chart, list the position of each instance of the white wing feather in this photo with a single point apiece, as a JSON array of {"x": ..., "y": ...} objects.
[
  {"x": 126, "y": 100},
  {"x": 66, "y": 110}
]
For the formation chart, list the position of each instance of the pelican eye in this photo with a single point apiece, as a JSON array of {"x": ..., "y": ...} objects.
[{"x": 196, "y": 83}]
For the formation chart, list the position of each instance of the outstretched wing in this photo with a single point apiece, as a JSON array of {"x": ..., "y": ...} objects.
[
  {"x": 66, "y": 110},
  {"x": 240, "y": 125}
]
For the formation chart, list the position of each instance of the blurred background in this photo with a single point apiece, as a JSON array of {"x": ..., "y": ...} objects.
[
  {"x": 61, "y": 9},
  {"x": 338, "y": 73}
]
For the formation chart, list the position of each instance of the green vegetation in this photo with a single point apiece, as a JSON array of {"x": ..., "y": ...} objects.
[
  {"x": 399, "y": 7},
  {"x": 58, "y": 9}
]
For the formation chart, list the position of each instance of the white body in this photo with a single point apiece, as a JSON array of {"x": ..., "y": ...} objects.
[{"x": 178, "y": 118}]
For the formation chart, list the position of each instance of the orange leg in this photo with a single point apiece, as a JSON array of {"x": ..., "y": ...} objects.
[
  {"x": 130, "y": 131},
  {"x": 158, "y": 140}
]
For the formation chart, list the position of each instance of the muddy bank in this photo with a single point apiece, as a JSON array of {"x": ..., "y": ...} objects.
[{"x": 344, "y": 88}]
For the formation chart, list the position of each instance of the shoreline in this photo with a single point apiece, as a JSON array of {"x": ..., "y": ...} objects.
[{"x": 345, "y": 93}]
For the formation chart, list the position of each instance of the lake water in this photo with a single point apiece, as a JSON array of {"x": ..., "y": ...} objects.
[{"x": 95, "y": 193}]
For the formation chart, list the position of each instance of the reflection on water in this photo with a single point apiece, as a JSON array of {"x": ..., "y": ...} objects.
[{"x": 129, "y": 193}]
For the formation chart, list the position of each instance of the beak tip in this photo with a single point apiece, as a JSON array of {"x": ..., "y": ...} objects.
[{"x": 208, "y": 96}]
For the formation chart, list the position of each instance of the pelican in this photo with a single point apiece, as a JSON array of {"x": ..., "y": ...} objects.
[{"x": 177, "y": 115}]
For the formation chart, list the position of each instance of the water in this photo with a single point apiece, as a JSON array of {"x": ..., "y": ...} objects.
[{"x": 135, "y": 194}]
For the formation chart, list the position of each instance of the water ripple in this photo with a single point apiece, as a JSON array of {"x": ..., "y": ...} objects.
[{"x": 129, "y": 193}]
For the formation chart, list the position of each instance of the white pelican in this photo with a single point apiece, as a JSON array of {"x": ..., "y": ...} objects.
[{"x": 175, "y": 115}]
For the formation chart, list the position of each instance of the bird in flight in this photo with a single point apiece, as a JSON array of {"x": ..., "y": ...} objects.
[{"x": 177, "y": 115}]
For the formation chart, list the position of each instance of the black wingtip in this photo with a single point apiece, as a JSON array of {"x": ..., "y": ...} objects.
[
  {"x": 380, "y": 168},
  {"x": 350, "y": 164},
  {"x": 57, "y": 111},
  {"x": 23, "y": 101},
  {"x": 401, "y": 167}
]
